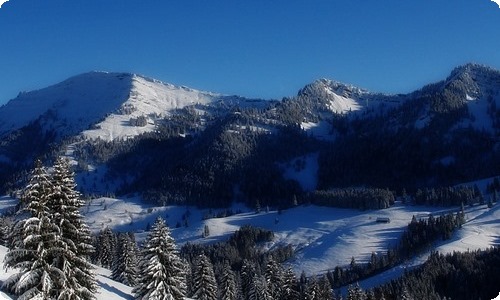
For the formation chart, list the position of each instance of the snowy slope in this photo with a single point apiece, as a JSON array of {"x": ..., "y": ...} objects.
[
  {"x": 76, "y": 102},
  {"x": 322, "y": 237},
  {"x": 109, "y": 99},
  {"x": 336, "y": 98},
  {"x": 148, "y": 98}
]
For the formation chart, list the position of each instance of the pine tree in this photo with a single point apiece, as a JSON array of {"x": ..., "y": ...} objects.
[
  {"x": 64, "y": 204},
  {"x": 204, "y": 284},
  {"x": 50, "y": 266},
  {"x": 355, "y": 293},
  {"x": 228, "y": 290},
  {"x": 325, "y": 290},
  {"x": 125, "y": 263},
  {"x": 274, "y": 278},
  {"x": 31, "y": 241},
  {"x": 33, "y": 257},
  {"x": 258, "y": 289},
  {"x": 106, "y": 247},
  {"x": 312, "y": 291},
  {"x": 161, "y": 272},
  {"x": 290, "y": 286},
  {"x": 247, "y": 274}
]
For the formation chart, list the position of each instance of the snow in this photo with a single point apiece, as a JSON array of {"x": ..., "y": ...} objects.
[
  {"x": 108, "y": 289},
  {"x": 320, "y": 130},
  {"x": 323, "y": 237},
  {"x": 304, "y": 170},
  {"x": 340, "y": 104},
  {"x": 82, "y": 100},
  {"x": 150, "y": 98},
  {"x": 480, "y": 231}
]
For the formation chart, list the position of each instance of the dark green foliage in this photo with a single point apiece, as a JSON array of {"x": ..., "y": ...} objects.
[
  {"x": 125, "y": 264},
  {"x": 50, "y": 244},
  {"x": 228, "y": 286},
  {"x": 106, "y": 244},
  {"x": 446, "y": 196},
  {"x": 161, "y": 271},
  {"x": 240, "y": 246},
  {"x": 204, "y": 283},
  {"x": 359, "y": 198},
  {"x": 468, "y": 275}
]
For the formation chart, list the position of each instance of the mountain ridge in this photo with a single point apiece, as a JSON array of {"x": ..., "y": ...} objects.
[{"x": 178, "y": 144}]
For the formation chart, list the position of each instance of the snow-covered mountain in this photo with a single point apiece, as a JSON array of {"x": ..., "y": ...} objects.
[
  {"x": 341, "y": 98},
  {"x": 119, "y": 127},
  {"x": 105, "y": 101}
]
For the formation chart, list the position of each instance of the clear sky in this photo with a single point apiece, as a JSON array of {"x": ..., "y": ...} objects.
[{"x": 256, "y": 48}]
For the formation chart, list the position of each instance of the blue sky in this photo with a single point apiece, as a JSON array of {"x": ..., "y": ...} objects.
[{"x": 257, "y": 48}]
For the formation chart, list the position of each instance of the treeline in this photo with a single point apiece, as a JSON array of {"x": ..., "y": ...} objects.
[
  {"x": 234, "y": 269},
  {"x": 447, "y": 196},
  {"x": 358, "y": 198},
  {"x": 466, "y": 275},
  {"x": 418, "y": 236},
  {"x": 240, "y": 247}
]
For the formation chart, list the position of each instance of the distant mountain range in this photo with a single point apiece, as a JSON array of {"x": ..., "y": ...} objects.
[{"x": 126, "y": 133}]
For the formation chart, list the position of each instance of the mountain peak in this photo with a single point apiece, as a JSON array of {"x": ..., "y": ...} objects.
[
  {"x": 473, "y": 72},
  {"x": 318, "y": 87}
]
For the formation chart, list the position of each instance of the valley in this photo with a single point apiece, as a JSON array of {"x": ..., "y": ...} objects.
[{"x": 331, "y": 178}]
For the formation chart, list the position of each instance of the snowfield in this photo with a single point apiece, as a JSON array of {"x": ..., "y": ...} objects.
[
  {"x": 147, "y": 98},
  {"x": 322, "y": 237}
]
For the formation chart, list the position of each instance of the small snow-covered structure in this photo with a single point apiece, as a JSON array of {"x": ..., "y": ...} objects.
[{"x": 383, "y": 220}]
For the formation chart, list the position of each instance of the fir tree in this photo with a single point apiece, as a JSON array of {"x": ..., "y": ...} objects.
[
  {"x": 161, "y": 274},
  {"x": 312, "y": 291},
  {"x": 42, "y": 249},
  {"x": 290, "y": 286},
  {"x": 355, "y": 293},
  {"x": 228, "y": 289},
  {"x": 204, "y": 284},
  {"x": 32, "y": 240},
  {"x": 325, "y": 290},
  {"x": 64, "y": 204},
  {"x": 258, "y": 289},
  {"x": 247, "y": 274},
  {"x": 37, "y": 278},
  {"x": 125, "y": 264},
  {"x": 274, "y": 278},
  {"x": 106, "y": 247}
]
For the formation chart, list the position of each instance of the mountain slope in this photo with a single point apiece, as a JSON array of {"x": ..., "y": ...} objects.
[
  {"x": 108, "y": 101},
  {"x": 131, "y": 134},
  {"x": 73, "y": 104}
]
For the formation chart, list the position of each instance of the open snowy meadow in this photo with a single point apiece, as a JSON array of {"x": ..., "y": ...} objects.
[{"x": 322, "y": 237}]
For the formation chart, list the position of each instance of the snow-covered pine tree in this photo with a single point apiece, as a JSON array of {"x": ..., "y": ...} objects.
[
  {"x": 258, "y": 289},
  {"x": 274, "y": 278},
  {"x": 290, "y": 286},
  {"x": 64, "y": 204},
  {"x": 106, "y": 247},
  {"x": 125, "y": 265},
  {"x": 227, "y": 287},
  {"x": 247, "y": 274},
  {"x": 204, "y": 283},
  {"x": 355, "y": 292},
  {"x": 34, "y": 242},
  {"x": 161, "y": 272},
  {"x": 325, "y": 289},
  {"x": 312, "y": 290}
]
